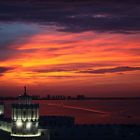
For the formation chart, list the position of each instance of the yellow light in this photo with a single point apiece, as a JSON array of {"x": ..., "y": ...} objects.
[
  {"x": 28, "y": 125},
  {"x": 36, "y": 124},
  {"x": 19, "y": 123},
  {"x": 28, "y": 135}
]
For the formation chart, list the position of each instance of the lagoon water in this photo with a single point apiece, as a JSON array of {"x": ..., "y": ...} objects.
[{"x": 90, "y": 111}]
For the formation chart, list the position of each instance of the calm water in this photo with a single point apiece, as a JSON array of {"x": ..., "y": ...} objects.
[{"x": 91, "y": 111}]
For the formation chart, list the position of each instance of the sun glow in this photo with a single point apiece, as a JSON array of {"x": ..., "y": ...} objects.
[{"x": 62, "y": 57}]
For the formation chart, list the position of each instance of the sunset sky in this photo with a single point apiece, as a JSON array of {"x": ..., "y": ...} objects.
[{"x": 70, "y": 47}]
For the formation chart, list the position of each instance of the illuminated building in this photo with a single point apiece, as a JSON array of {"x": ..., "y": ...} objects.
[
  {"x": 1, "y": 109},
  {"x": 25, "y": 116}
]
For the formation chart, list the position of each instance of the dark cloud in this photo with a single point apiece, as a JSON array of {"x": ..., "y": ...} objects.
[
  {"x": 4, "y": 70},
  {"x": 12, "y": 35},
  {"x": 111, "y": 70},
  {"x": 69, "y": 67},
  {"x": 84, "y": 68},
  {"x": 61, "y": 77},
  {"x": 76, "y": 15}
]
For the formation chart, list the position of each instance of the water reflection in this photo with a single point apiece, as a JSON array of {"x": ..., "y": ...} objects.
[{"x": 120, "y": 111}]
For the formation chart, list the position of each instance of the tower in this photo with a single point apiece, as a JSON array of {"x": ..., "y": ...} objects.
[
  {"x": 25, "y": 117},
  {"x": 1, "y": 109}
]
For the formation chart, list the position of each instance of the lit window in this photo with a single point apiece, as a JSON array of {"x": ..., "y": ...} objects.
[
  {"x": 19, "y": 123},
  {"x": 28, "y": 125}
]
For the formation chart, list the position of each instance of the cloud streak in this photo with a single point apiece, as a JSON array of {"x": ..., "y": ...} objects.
[
  {"x": 111, "y": 70},
  {"x": 71, "y": 67},
  {"x": 3, "y": 70},
  {"x": 82, "y": 68}
]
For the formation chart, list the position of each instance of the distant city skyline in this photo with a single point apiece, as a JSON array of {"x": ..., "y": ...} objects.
[{"x": 70, "y": 47}]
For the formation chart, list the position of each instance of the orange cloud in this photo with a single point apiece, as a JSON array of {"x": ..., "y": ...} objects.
[{"x": 56, "y": 58}]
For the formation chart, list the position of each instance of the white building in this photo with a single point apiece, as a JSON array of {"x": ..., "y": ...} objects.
[
  {"x": 25, "y": 117},
  {"x": 1, "y": 109}
]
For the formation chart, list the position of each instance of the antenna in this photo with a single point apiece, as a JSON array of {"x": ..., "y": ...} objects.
[{"x": 25, "y": 90}]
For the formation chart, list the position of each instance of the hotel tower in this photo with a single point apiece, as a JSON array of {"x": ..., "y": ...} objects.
[{"x": 25, "y": 117}]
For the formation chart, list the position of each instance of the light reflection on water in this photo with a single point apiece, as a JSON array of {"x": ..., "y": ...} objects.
[{"x": 91, "y": 111}]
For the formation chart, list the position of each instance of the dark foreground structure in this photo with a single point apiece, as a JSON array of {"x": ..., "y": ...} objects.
[
  {"x": 26, "y": 124},
  {"x": 84, "y": 132}
]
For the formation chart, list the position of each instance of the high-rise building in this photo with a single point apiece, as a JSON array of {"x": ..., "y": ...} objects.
[{"x": 25, "y": 117}]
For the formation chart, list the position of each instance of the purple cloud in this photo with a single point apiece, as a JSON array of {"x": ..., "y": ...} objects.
[
  {"x": 69, "y": 67},
  {"x": 76, "y": 16},
  {"x": 4, "y": 70},
  {"x": 110, "y": 70}
]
